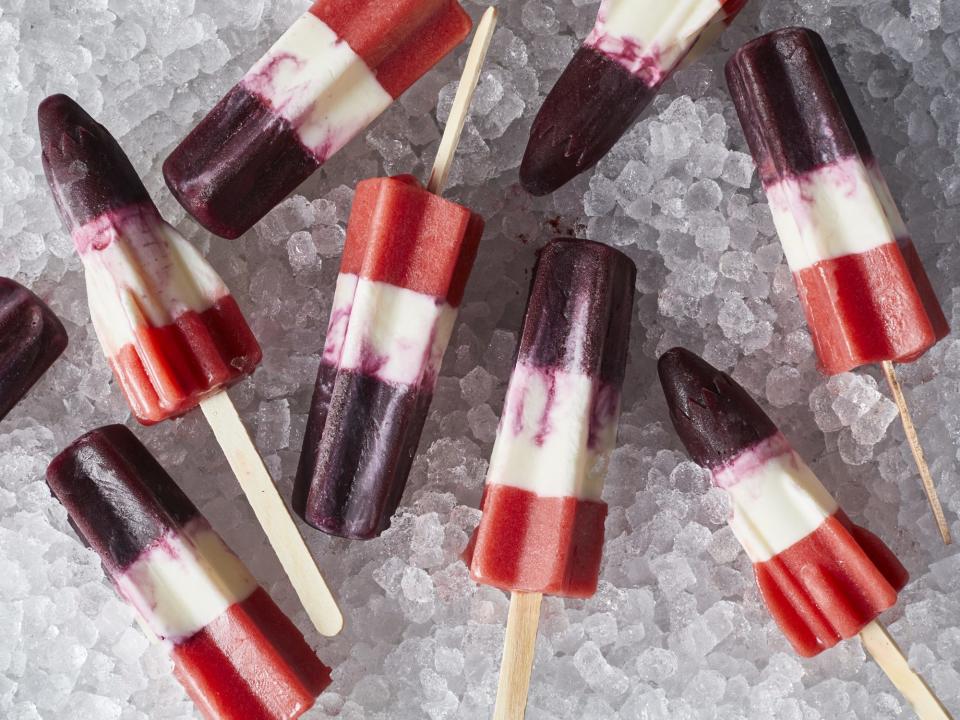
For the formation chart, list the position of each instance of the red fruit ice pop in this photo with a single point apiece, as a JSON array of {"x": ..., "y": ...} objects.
[
  {"x": 329, "y": 76},
  {"x": 863, "y": 288},
  {"x": 235, "y": 652},
  {"x": 31, "y": 339},
  {"x": 822, "y": 578},
  {"x": 543, "y": 515}
]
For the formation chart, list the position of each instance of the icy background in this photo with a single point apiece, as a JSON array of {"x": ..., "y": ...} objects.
[{"x": 677, "y": 629}]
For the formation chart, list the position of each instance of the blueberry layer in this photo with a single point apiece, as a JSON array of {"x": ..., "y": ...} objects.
[
  {"x": 794, "y": 110},
  {"x": 31, "y": 339},
  {"x": 237, "y": 164},
  {"x": 119, "y": 498},
  {"x": 716, "y": 418},
  {"x": 364, "y": 456},
  {"x": 87, "y": 170},
  {"x": 593, "y": 104},
  {"x": 579, "y": 310}
]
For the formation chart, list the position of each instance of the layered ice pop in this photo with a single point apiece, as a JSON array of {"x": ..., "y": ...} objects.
[
  {"x": 237, "y": 655},
  {"x": 632, "y": 50},
  {"x": 864, "y": 290},
  {"x": 170, "y": 329},
  {"x": 31, "y": 339},
  {"x": 543, "y": 515},
  {"x": 329, "y": 76},
  {"x": 823, "y": 578},
  {"x": 405, "y": 265}
]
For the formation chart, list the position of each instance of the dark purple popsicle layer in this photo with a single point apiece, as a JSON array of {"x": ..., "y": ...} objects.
[
  {"x": 354, "y": 488},
  {"x": 579, "y": 310},
  {"x": 120, "y": 500},
  {"x": 595, "y": 101},
  {"x": 795, "y": 112},
  {"x": 88, "y": 172},
  {"x": 714, "y": 416},
  {"x": 31, "y": 339},
  {"x": 237, "y": 164}
]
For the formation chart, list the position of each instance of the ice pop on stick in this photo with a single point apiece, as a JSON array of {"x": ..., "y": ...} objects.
[
  {"x": 31, "y": 339},
  {"x": 543, "y": 514},
  {"x": 330, "y": 75},
  {"x": 171, "y": 331},
  {"x": 235, "y": 652},
  {"x": 633, "y": 49},
  {"x": 863, "y": 288},
  {"x": 405, "y": 265},
  {"x": 822, "y": 578}
]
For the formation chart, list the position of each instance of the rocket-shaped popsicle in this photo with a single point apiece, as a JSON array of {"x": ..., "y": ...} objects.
[
  {"x": 823, "y": 578},
  {"x": 329, "y": 76},
  {"x": 633, "y": 49},
  {"x": 236, "y": 654},
  {"x": 31, "y": 339},
  {"x": 864, "y": 290},
  {"x": 405, "y": 265},
  {"x": 543, "y": 515},
  {"x": 170, "y": 329}
]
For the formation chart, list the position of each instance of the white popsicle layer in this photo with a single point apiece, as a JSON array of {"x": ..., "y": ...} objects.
[
  {"x": 391, "y": 333},
  {"x": 650, "y": 37},
  {"x": 777, "y": 500},
  {"x": 181, "y": 584},
  {"x": 844, "y": 208},
  {"x": 556, "y": 434},
  {"x": 314, "y": 80},
  {"x": 141, "y": 272}
]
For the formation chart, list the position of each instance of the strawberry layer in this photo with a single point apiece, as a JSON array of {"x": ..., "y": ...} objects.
[
  {"x": 250, "y": 663},
  {"x": 168, "y": 370},
  {"x": 402, "y": 235},
  {"x": 870, "y": 307},
  {"x": 400, "y": 40},
  {"x": 529, "y": 543},
  {"x": 829, "y": 585}
]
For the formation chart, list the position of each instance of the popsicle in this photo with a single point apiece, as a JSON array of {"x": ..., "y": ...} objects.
[
  {"x": 31, "y": 339},
  {"x": 235, "y": 652},
  {"x": 863, "y": 288},
  {"x": 405, "y": 264},
  {"x": 406, "y": 261},
  {"x": 172, "y": 333},
  {"x": 169, "y": 327},
  {"x": 632, "y": 50},
  {"x": 822, "y": 578},
  {"x": 543, "y": 514},
  {"x": 330, "y": 75}
]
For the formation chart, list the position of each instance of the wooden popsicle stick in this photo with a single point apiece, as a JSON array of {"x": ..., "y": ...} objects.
[
  {"x": 917, "y": 449},
  {"x": 518, "y": 649},
  {"x": 888, "y": 655},
  {"x": 461, "y": 101},
  {"x": 272, "y": 513}
]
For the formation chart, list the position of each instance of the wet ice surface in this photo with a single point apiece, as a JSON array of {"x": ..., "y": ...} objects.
[{"x": 677, "y": 629}]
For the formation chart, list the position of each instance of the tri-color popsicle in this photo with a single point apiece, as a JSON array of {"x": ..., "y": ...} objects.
[
  {"x": 863, "y": 288},
  {"x": 543, "y": 514},
  {"x": 822, "y": 578},
  {"x": 632, "y": 50},
  {"x": 235, "y": 652},
  {"x": 31, "y": 339},
  {"x": 172, "y": 333},
  {"x": 329, "y": 76},
  {"x": 405, "y": 265},
  {"x": 171, "y": 330}
]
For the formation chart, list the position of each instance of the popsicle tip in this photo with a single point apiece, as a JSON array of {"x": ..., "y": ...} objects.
[
  {"x": 86, "y": 169},
  {"x": 714, "y": 416}
]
